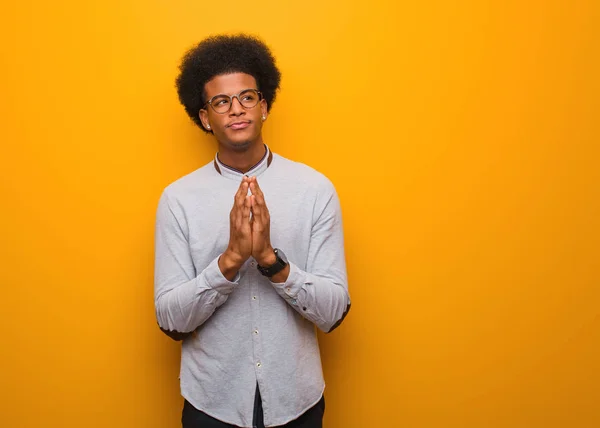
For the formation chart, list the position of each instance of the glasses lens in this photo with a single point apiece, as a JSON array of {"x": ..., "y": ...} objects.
[
  {"x": 249, "y": 98},
  {"x": 221, "y": 104}
]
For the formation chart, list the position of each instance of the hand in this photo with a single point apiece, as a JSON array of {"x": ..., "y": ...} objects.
[
  {"x": 239, "y": 248},
  {"x": 262, "y": 251}
]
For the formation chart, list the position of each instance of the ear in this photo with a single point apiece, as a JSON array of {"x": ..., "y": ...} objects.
[
  {"x": 203, "y": 115},
  {"x": 263, "y": 108}
]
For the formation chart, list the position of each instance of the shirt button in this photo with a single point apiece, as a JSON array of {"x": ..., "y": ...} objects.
[
  {"x": 258, "y": 364},
  {"x": 255, "y": 331},
  {"x": 252, "y": 264},
  {"x": 294, "y": 302},
  {"x": 288, "y": 289},
  {"x": 253, "y": 297}
]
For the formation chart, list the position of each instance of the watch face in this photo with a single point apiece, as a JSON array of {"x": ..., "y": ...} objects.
[{"x": 281, "y": 255}]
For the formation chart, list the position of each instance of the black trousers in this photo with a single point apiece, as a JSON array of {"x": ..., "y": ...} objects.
[{"x": 194, "y": 418}]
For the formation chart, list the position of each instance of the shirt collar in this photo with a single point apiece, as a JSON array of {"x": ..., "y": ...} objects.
[{"x": 233, "y": 173}]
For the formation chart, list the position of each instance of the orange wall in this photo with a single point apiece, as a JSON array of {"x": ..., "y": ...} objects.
[{"x": 463, "y": 140}]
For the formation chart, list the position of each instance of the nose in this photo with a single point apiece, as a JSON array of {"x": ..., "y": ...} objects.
[{"x": 236, "y": 107}]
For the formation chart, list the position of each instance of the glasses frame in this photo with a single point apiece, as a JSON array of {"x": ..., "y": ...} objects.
[{"x": 231, "y": 97}]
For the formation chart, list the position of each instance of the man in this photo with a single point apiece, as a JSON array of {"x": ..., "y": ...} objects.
[{"x": 249, "y": 254}]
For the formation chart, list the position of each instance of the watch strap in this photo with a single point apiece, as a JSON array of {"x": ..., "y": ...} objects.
[{"x": 275, "y": 268}]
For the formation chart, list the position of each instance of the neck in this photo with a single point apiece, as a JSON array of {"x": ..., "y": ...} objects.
[{"x": 244, "y": 158}]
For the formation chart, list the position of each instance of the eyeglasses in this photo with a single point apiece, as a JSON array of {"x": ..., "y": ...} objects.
[{"x": 247, "y": 98}]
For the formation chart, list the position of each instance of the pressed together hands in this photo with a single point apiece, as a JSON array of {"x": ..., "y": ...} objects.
[{"x": 249, "y": 230}]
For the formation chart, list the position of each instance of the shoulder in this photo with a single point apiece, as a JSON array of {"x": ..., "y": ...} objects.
[
  {"x": 189, "y": 185},
  {"x": 302, "y": 174},
  {"x": 195, "y": 181}
]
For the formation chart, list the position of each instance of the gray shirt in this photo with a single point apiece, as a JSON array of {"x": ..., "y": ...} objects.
[{"x": 250, "y": 330}]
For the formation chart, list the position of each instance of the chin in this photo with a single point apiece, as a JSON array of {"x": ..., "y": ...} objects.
[
  {"x": 242, "y": 142},
  {"x": 240, "y": 146}
]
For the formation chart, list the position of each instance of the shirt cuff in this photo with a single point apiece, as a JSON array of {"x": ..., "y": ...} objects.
[
  {"x": 294, "y": 283},
  {"x": 217, "y": 281}
]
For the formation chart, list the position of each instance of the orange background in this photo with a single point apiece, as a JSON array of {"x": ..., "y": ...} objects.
[{"x": 462, "y": 138}]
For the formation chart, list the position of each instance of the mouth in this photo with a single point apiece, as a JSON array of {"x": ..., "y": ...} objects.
[{"x": 239, "y": 125}]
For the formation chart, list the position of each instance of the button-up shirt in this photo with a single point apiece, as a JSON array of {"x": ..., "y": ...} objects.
[{"x": 250, "y": 330}]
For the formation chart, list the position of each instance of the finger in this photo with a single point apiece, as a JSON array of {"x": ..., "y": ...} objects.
[
  {"x": 250, "y": 213},
  {"x": 260, "y": 214},
  {"x": 245, "y": 215},
  {"x": 239, "y": 190},
  {"x": 256, "y": 208},
  {"x": 247, "y": 208},
  {"x": 260, "y": 197},
  {"x": 255, "y": 188},
  {"x": 241, "y": 194},
  {"x": 260, "y": 192},
  {"x": 260, "y": 202}
]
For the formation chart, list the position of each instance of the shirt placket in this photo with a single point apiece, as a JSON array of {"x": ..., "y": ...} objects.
[{"x": 256, "y": 332}]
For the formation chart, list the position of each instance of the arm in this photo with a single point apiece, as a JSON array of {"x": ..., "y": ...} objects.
[
  {"x": 319, "y": 294},
  {"x": 184, "y": 300}
]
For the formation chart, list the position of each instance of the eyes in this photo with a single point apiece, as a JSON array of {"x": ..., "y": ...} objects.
[
  {"x": 248, "y": 98},
  {"x": 224, "y": 100}
]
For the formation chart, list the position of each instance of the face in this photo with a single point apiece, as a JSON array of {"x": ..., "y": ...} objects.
[{"x": 240, "y": 127}]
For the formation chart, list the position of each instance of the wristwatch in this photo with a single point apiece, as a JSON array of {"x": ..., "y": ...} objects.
[{"x": 276, "y": 267}]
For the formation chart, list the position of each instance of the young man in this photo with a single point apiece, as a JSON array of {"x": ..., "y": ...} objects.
[{"x": 249, "y": 254}]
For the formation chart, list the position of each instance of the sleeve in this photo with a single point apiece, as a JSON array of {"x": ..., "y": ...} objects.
[
  {"x": 320, "y": 294},
  {"x": 182, "y": 299}
]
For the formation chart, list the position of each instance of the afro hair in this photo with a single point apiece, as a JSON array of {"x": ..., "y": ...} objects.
[{"x": 225, "y": 54}]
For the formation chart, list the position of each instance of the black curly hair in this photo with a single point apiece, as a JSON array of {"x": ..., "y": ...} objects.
[{"x": 224, "y": 54}]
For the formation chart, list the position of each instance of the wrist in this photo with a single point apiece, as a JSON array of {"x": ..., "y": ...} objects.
[
  {"x": 277, "y": 268},
  {"x": 230, "y": 263},
  {"x": 267, "y": 258}
]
